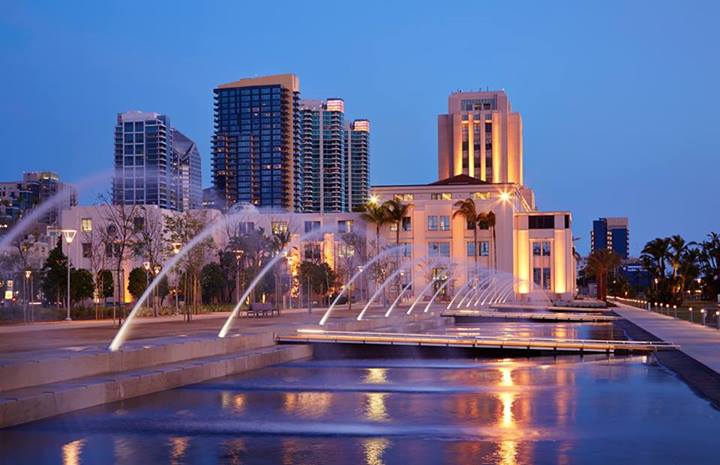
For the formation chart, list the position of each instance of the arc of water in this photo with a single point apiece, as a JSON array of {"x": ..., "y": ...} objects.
[
  {"x": 397, "y": 299},
  {"x": 484, "y": 290},
  {"x": 422, "y": 293},
  {"x": 378, "y": 291},
  {"x": 499, "y": 291},
  {"x": 119, "y": 338},
  {"x": 49, "y": 204},
  {"x": 459, "y": 292},
  {"x": 268, "y": 266},
  {"x": 355, "y": 276},
  {"x": 487, "y": 291},
  {"x": 437, "y": 293},
  {"x": 504, "y": 298},
  {"x": 467, "y": 294}
]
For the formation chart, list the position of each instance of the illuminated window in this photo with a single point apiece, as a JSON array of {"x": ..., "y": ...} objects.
[
  {"x": 344, "y": 226},
  {"x": 444, "y": 223},
  {"x": 279, "y": 227},
  {"x": 404, "y": 197},
  {"x": 86, "y": 225},
  {"x": 481, "y": 195},
  {"x": 441, "y": 196}
]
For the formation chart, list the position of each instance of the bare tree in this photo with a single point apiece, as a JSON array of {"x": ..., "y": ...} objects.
[
  {"x": 149, "y": 243},
  {"x": 97, "y": 257}
]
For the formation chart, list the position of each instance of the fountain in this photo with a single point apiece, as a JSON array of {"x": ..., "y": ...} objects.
[
  {"x": 378, "y": 291},
  {"x": 459, "y": 292},
  {"x": 397, "y": 299},
  {"x": 122, "y": 333},
  {"x": 354, "y": 277},
  {"x": 437, "y": 293},
  {"x": 421, "y": 294},
  {"x": 268, "y": 266}
]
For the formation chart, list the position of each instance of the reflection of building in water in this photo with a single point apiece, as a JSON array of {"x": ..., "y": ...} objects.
[
  {"x": 232, "y": 401},
  {"x": 178, "y": 447},
  {"x": 71, "y": 452},
  {"x": 307, "y": 404},
  {"x": 376, "y": 376},
  {"x": 374, "y": 450},
  {"x": 234, "y": 450},
  {"x": 375, "y": 409}
]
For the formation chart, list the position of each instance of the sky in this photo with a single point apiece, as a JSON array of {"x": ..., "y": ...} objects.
[{"x": 619, "y": 99}]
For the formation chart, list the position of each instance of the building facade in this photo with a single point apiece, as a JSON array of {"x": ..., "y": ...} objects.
[
  {"x": 143, "y": 161},
  {"x": 612, "y": 233},
  {"x": 257, "y": 151},
  {"x": 19, "y": 197},
  {"x": 324, "y": 155},
  {"x": 357, "y": 146},
  {"x": 186, "y": 157},
  {"x": 480, "y": 136}
]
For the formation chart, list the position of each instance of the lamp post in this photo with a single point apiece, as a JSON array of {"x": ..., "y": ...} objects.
[
  {"x": 238, "y": 258},
  {"x": 28, "y": 292},
  {"x": 176, "y": 250},
  {"x": 156, "y": 304},
  {"x": 68, "y": 235},
  {"x": 691, "y": 315},
  {"x": 146, "y": 266}
]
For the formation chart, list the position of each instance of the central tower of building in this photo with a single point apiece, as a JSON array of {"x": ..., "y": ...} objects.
[{"x": 480, "y": 136}]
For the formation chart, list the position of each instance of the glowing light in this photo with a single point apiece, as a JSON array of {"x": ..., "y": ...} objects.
[
  {"x": 178, "y": 447},
  {"x": 375, "y": 409},
  {"x": 374, "y": 450},
  {"x": 71, "y": 452},
  {"x": 505, "y": 196},
  {"x": 374, "y": 199},
  {"x": 376, "y": 376},
  {"x": 307, "y": 404}
]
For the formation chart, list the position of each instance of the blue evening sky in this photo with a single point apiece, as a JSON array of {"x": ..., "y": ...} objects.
[{"x": 619, "y": 99}]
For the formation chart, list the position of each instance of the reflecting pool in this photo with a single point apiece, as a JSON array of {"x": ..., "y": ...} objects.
[{"x": 564, "y": 410}]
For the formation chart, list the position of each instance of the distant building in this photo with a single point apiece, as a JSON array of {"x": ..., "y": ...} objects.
[
  {"x": 189, "y": 174},
  {"x": 637, "y": 276},
  {"x": 480, "y": 136},
  {"x": 211, "y": 199},
  {"x": 357, "y": 146},
  {"x": 36, "y": 187},
  {"x": 611, "y": 234},
  {"x": 155, "y": 164},
  {"x": 257, "y": 153},
  {"x": 324, "y": 157}
]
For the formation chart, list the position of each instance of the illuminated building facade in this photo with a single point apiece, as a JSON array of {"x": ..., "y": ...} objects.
[
  {"x": 611, "y": 234},
  {"x": 480, "y": 136},
  {"x": 357, "y": 146},
  {"x": 257, "y": 150}
]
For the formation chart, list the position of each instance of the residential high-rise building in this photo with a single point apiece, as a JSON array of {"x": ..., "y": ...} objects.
[
  {"x": 611, "y": 234},
  {"x": 357, "y": 145},
  {"x": 36, "y": 187},
  {"x": 189, "y": 175},
  {"x": 144, "y": 169},
  {"x": 480, "y": 136},
  {"x": 323, "y": 142},
  {"x": 257, "y": 153}
]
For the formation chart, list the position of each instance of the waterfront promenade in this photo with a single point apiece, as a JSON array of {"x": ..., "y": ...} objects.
[{"x": 701, "y": 343}]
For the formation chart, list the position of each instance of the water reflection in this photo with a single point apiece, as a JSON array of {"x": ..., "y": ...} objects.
[
  {"x": 375, "y": 409},
  {"x": 376, "y": 376},
  {"x": 71, "y": 452},
  {"x": 235, "y": 402},
  {"x": 374, "y": 450},
  {"x": 307, "y": 404},
  {"x": 178, "y": 447}
]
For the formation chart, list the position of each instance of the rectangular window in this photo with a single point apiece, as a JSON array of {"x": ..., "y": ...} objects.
[
  {"x": 86, "y": 250},
  {"x": 444, "y": 223},
  {"x": 432, "y": 223},
  {"x": 406, "y": 223},
  {"x": 441, "y": 196},
  {"x": 481, "y": 195},
  {"x": 312, "y": 252},
  {"x": 86, "y": 225},
  {"x": 484, "y": 248},
  {"x": 541, "y": 248},
  {"x": 546, "y": 278},
  {"x": 471, "y": 249},
  {"x": 344, "y": 226},
  {"x": 406, "y": 249},
  {"x": 541, "y": 222},
  {"x": 439, "y": 249},
  {"x": 311, "y": 226},
  {"x": 279, "y": 227},
  {"x": 404, "y": 197}
]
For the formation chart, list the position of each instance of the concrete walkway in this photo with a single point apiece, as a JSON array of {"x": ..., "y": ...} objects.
[{"x": 701, "y": 343}]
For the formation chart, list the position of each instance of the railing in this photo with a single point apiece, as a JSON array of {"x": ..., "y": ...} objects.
[{"x": 703, "y": 315}]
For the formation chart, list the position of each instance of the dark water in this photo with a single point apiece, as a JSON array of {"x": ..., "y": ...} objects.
[{"x": 568, "y": 410}]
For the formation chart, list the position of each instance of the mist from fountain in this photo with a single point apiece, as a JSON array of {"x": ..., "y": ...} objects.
[
  {"x": 421, "y": 294},
  {"x": 261, "y": 274},
  {"x": 380, "y": 288},
  {"x": 397, "y": 299},
  {"x": 36, "y": 213},
  {"x": 459, "y": 292},
  {"x": 237, "y": 215},
  {"x": 470, "y": 292},
  {"x": 364, "y": 267}
]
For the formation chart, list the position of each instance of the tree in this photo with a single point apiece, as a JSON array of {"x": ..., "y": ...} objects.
[
  {"x": 320, "y": 277},
  {"x": 466, "y": 209},
  {"x": 55, "y": 274},
  {"x": 376, "y": 215},
  {"x": 601, "y": 263},
  {"x": 149, "y": 244},
  {"x": 280, "y": 240},
  {"x": 212, "y": 280},
  {"x": 395, "y": 211},
  {"x": 710, "y": 265},
  {"x": 487, "y": 221},
  {"x": 137, "y": 282},
  {"x": 98, "y": 261},
  {"x": 107, "y": 287},
  {"x": 82, "y": 285}
]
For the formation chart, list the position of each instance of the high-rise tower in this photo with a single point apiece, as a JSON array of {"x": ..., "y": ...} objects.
[
  {"x": 357, "y": 147},
  {"x": 257, "y": 154},
  {"x": 323, "y": 136},
  {"x": 186, "y": 158},
  {"x": 480, "y": 136}
]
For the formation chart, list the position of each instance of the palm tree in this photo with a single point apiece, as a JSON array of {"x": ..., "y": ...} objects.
[
  {"x": 466, "y": 209},
  {"x": 487, "y": 221},
  {"x": 395, "y": 211},
  {"x": 280, "y": 240},
  {"x": 600, "y": 263},
  {"x": 678, "y": 247},
  {"x": 654, "y": 255},
  {"x": 375, "y": 214}
]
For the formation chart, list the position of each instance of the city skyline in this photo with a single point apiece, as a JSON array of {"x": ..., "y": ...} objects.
[{"x": 568, "y": 124}]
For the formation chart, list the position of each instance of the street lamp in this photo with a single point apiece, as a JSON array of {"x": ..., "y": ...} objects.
[
  {"x": 146, "y": 266},
  {"x": 238, "y": 257},
  {"x": 68, "y": 235},
  {"x": 156, "y": 305},
  {"x": 28, "y": 292},
  {"x": 176, "y": 250}
]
